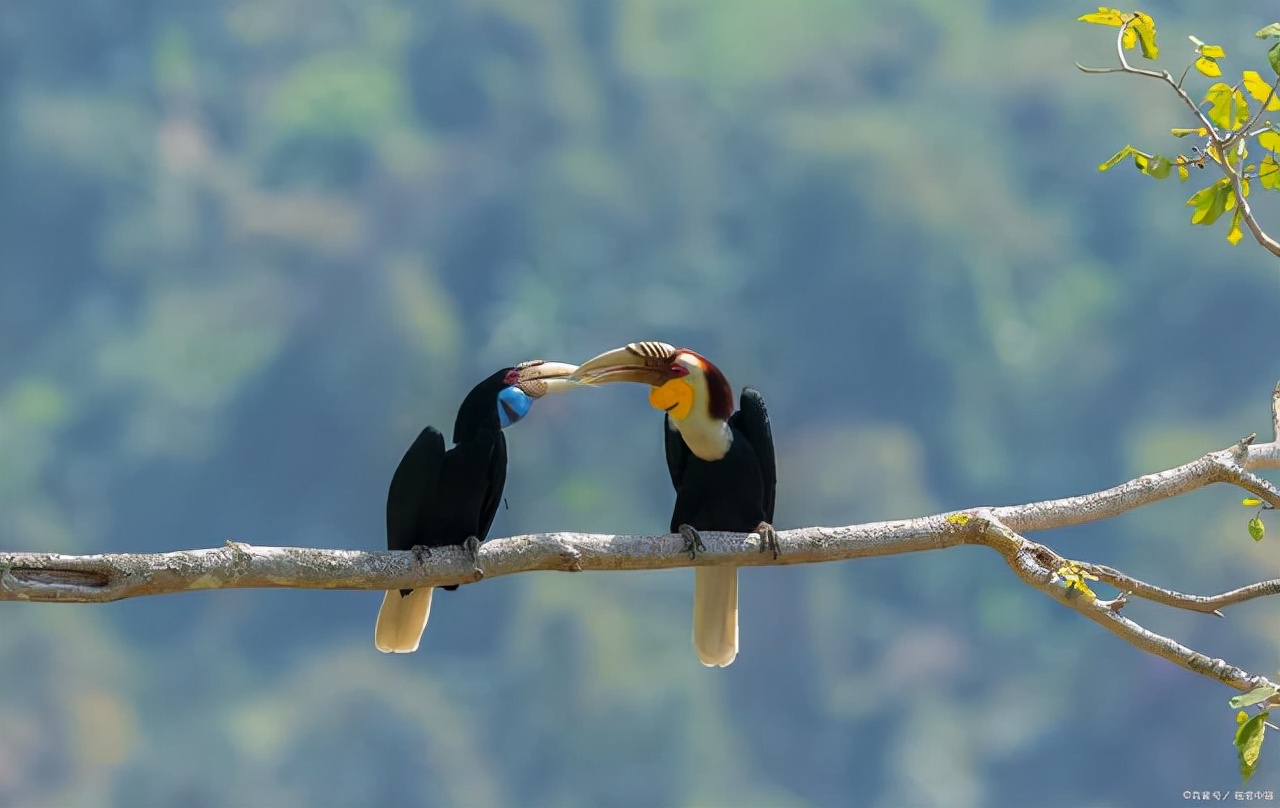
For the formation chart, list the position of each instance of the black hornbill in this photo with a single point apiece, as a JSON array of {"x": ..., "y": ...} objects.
[
  {"x": 721, "y": 464},
  {"x": 442, "y": 499}
]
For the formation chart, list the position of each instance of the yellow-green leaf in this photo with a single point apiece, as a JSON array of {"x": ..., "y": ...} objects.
[
  {"x": 1269, "y": 172},
  {"x": 1256, "y": 529},
  {"x": 1252, "y": 697},
  {"x": 1273, "y": 58},
  {"x": 1213, "y": 51},
  {"x": 1229, "y": 108},
  {"x": 1241, "y": 717},
  {"x": 1226, "y": 111},
  {"x": 1249, "y": 737},
  {"x": 1183, "y": 173},
  {"x": 1146, "y": 30},
  {"x": 1117, "y": 157},
  {"x": 959, "y": 518},
  {"x": 1210, "y": 202},
  {"x": 1199, "y": 131},
  {"x": 1235, "y": 233},
  {"x": 1073, "y": 578},
  {"x": 1104, "y": 16},
  {"x": 1208, "y": 66},
  {"x": 1269, "y": 140},
  {"x": 1158, "y": 166},
  {"x": 1251, "y": 502},
  {"x": 1269, "y": 31},
  {"x": 1260, "y": 90}
]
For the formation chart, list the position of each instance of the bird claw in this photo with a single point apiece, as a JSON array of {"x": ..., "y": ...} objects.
[
  {"x": 472, "y": 548},
  {"x": 421, "y": 553},
  {"x": 692, "y": 541},
  {"x": 768, "y": 538}
]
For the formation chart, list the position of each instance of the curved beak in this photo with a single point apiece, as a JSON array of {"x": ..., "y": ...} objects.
[
  {"x": 642, "y": 362},
  {"x": 538, "y": 377}
]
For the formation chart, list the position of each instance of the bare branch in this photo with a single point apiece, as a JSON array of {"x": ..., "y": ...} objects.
[
  {"x": 1168, "y": 597},
  {"x": 116, "y": 576},
  {"x": 1275, "y": 415},
  {"x": 1037, "y": 566}
]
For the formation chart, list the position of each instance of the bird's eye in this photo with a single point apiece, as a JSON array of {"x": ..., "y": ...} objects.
[{"x": 513, "y": 404}]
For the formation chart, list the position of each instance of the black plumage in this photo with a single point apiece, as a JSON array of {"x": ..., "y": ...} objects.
[
  {"x": 735, "y": 493},
  {"x": 441, "y": 498}
]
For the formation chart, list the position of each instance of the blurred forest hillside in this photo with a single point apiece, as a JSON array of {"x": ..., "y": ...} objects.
[{"x": 248, "y": 249}]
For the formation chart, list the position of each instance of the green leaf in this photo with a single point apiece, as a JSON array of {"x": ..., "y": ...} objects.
[
  {"x": 1208, "y": 66},
  {"x": 1229, "y": 108},
  {"x": 1273, "y": 58},
  {"x": 1269, "y": 172},
  {"x": 1253, "y": 696},
  {"x": 1184, "y": 173},
  {"x": 1105, "y": 16},
  {"x": 1271, "y": 30},
  {"x": 1117, "y": 157},
  {"x": 1210, "y": 202},
  {"x": 1234, "y": 233},
  {"x": 1260, "y": 90},
  {"x": 1213, "y": 51},
  {"x": 1159, "y": 167},
  {"x": 1200, "y": 131},
  {"x": 1270, "y": 141},
  {"x": 1251, "y": 502},
  {"x": 1248, "y": 743},
  {"x": 1256, "y": 529},
  {"x": 1146, "y": 29}
]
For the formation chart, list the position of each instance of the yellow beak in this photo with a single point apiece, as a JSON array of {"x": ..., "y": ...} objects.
[
  {"x": 642, "y": 362},
  {"x": 537, "y": 377}
]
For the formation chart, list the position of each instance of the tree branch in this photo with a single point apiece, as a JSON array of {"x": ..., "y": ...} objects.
[
  {"x": 1219, "y": 143},
  {"x": 52, "y": 577},
  {"x": 1038, "y": 567}
]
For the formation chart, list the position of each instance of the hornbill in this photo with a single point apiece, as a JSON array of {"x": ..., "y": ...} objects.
[
  {"x": 443, "y": 499},
  {"x": 721, "y": 464}
]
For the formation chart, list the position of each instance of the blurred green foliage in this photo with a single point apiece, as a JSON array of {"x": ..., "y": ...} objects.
[{"x": 247, "y": 249}]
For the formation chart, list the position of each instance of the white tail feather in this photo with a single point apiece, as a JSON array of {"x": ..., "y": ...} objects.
[
  {"x": 401, "y": 620},
  {"x": 715, "y": 615}
]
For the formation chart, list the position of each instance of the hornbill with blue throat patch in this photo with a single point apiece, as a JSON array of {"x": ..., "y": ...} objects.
[
  {"x": 721, "y": 464},
  {"x": 441, "y": 498}
]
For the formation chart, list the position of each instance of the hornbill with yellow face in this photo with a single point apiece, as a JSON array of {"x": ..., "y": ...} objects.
[
  {"x": 441, "y": 498},
  {"x": 721, "y": 464}
]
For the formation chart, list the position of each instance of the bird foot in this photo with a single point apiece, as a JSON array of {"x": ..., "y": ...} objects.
[
  {"x": 421, "y": 553},
  {"x": 472, "y": 548},
  {"x": 768, "y": 538},
  {"x": 692, "y": 541}
]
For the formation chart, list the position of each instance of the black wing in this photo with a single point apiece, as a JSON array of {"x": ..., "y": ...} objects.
[
  {"x": 416, "y": 480},
  {"x": 752, "y": 420},
  {"x": 497, "y": 480},
  {"x": 677, "y": 452}
]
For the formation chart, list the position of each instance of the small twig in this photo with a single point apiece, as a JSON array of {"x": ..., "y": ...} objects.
[
  {"x": 1178, "y": 600},
  {"x": 1084, "y": 69},
  {"x": 1262, "y": 108}
]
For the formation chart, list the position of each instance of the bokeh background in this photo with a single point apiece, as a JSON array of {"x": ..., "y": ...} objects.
[{"x": 248, "y": 249}]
